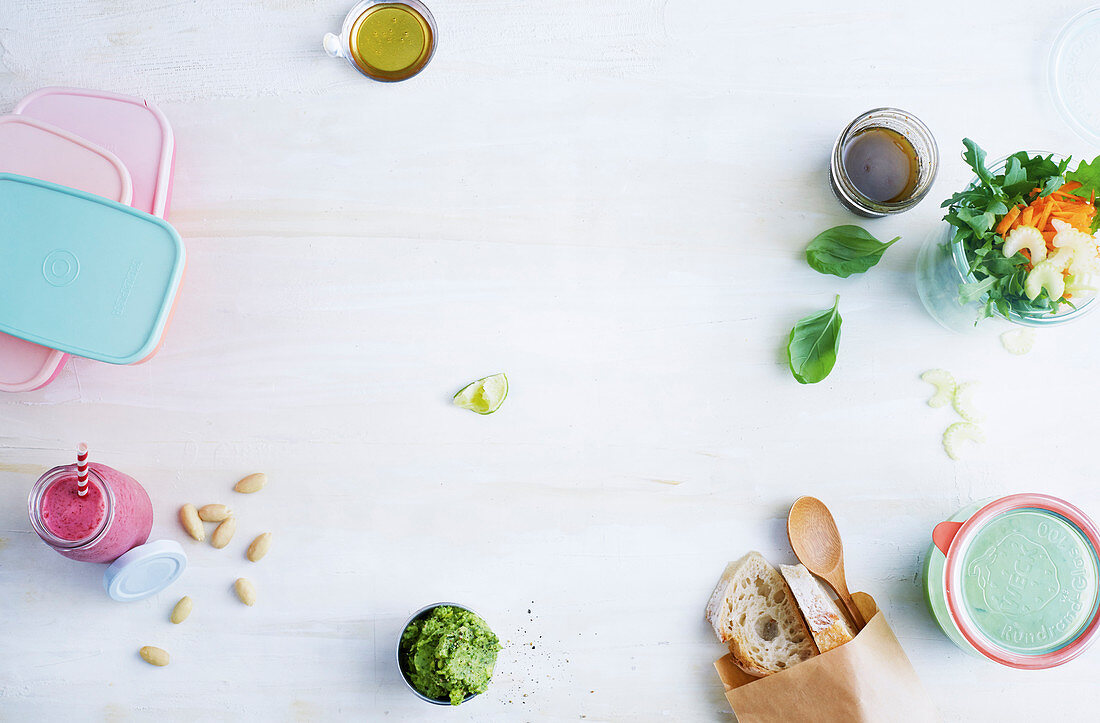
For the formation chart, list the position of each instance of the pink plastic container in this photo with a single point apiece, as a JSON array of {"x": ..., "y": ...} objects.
[
  {"x": 40, "y": 150},
  {"x": 115, "y": 516},
  {"x": 74, "y": 130},
  {"x": 30, "y": 147},
  {"x": 131, "y": 128}
]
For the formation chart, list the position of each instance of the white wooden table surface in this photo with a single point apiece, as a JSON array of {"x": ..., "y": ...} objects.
[{"x": 607, "y": 201}]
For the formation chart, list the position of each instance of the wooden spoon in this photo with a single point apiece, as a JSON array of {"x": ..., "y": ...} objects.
[{"x": 816, "y": 543}]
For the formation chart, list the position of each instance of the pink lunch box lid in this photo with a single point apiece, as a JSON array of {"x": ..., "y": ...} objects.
[
  {"x": 132, "y": 128},
  {"x": 30, "y": 147},
  {"x": 33, "y": 148}
]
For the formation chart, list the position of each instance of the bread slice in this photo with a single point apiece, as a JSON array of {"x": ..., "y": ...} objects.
[
  {"x": 753, "y": 610},
  {"x": 829, "y": 626}
]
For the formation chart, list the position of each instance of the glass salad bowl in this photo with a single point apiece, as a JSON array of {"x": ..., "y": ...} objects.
[{"x": 942, "y": 267}]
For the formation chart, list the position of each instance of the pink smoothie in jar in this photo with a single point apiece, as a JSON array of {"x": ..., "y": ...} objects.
[{"x": 114, "y": 517}]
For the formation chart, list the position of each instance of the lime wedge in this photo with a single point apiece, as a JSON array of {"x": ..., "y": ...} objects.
[{"x": 483, "y": 396}]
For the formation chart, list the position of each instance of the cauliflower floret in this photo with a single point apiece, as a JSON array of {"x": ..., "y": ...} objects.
[
  {"x": 1026, "y": 237},
  {"x": 1069, "y": 237},
  {"x": 1081, "y": 286},
  {"x": 1084, "y": 255},
  {"x": 1045, "y": 276},
  {"x": 1084, "y": 264},
  {"x": 1061, "y": 258}
]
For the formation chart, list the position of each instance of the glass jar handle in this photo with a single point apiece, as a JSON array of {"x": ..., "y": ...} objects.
[
  {"x": 333, "y": 46},
  {"x": 944, "y": 533}
]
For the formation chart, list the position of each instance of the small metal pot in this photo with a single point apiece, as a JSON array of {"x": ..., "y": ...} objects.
[{"x": 422, "y": 612}]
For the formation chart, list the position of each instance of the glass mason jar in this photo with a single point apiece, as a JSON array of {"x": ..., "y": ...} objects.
[
  {"x": 385, "y": 41},
  {"x": 914, "y": 131},
  {"x": 115, "y": 516},
  {"x": 942, "y": 267},
  {"x": 1016, "y": 580}
]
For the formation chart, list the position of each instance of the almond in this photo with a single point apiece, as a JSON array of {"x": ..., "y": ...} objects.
[
  {"x": 214, "y": 513},
  {"x": 246, "y": 591},
  {"x": 182, "y": 610},
  {"x": 259, "y": 547},
  {"x": 251, "y": 483},
  {"x": 154, "y": 656},
  {"x": 189, "y": 518},
  {"x": 224, "y": 533}
]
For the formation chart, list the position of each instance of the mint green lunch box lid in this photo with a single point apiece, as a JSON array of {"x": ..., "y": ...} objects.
[
  {"x": 1017, "y": 580},
  {"x": 83, "y": 274}
]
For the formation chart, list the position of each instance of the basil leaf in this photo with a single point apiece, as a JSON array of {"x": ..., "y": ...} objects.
[
  {"x": 845, "y": 250},
  {"x": 812, "y": 346}
]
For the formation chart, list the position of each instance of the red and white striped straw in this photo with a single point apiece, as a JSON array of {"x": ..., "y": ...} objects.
[{"x": 82, "y": 469}]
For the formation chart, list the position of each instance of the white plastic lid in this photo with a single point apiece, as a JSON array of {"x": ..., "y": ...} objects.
[
  {"x": 1074, "y": 67},
  {"x": 145, "y": 570}
]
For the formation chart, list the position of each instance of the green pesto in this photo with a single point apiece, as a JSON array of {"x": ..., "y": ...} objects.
[{"x": 449, "y": 654}]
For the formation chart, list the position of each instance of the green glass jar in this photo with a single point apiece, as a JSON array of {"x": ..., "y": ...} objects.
[{"x": 1016, "y": 580}]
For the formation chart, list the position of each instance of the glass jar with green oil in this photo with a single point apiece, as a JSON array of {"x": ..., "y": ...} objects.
[
  {"x": 386, "y": 41},
  {"x": 883, "y": 162}
]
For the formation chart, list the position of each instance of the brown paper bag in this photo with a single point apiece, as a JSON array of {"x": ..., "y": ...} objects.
[{"x": 867, "y": 679}]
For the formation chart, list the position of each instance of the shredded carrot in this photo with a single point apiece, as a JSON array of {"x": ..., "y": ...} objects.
[
  {"x": 1006, "y": 222},
  {"x": 1044, "y": 214},
  {"x": 1060, "y": 204}
]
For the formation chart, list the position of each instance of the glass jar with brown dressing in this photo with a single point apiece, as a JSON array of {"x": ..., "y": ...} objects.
[{"x": 883, "y": 162}]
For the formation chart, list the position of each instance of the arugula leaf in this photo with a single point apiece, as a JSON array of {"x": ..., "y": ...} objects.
[
  {"x": 970, "y": 195},
  {"x": 975, "y": 158},
  {"x": 969, "y": 293},
  {"x": 998, "y": 265},
  {"x": 1014, "y": 172},
  {"x": 1014, "y": 184},
  {"x": 980, "y": 222},
  {"x": 845, "y": 250},
  {"x": 1056, "y": 179},
  {"x": 813, "y": 344},
  {"x": 1088, "y": 175},
  {"x": 975, "y": 211}
]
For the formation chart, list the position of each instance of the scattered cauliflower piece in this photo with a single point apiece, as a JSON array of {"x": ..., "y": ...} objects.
[
  {"x": 964, "y": 402},
  {"x": 1018, "y": 341},
  {"x": 1026, "y": 237},
  {"x": 945, "y": 386},
  {"x": 959, "y": 432}
]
